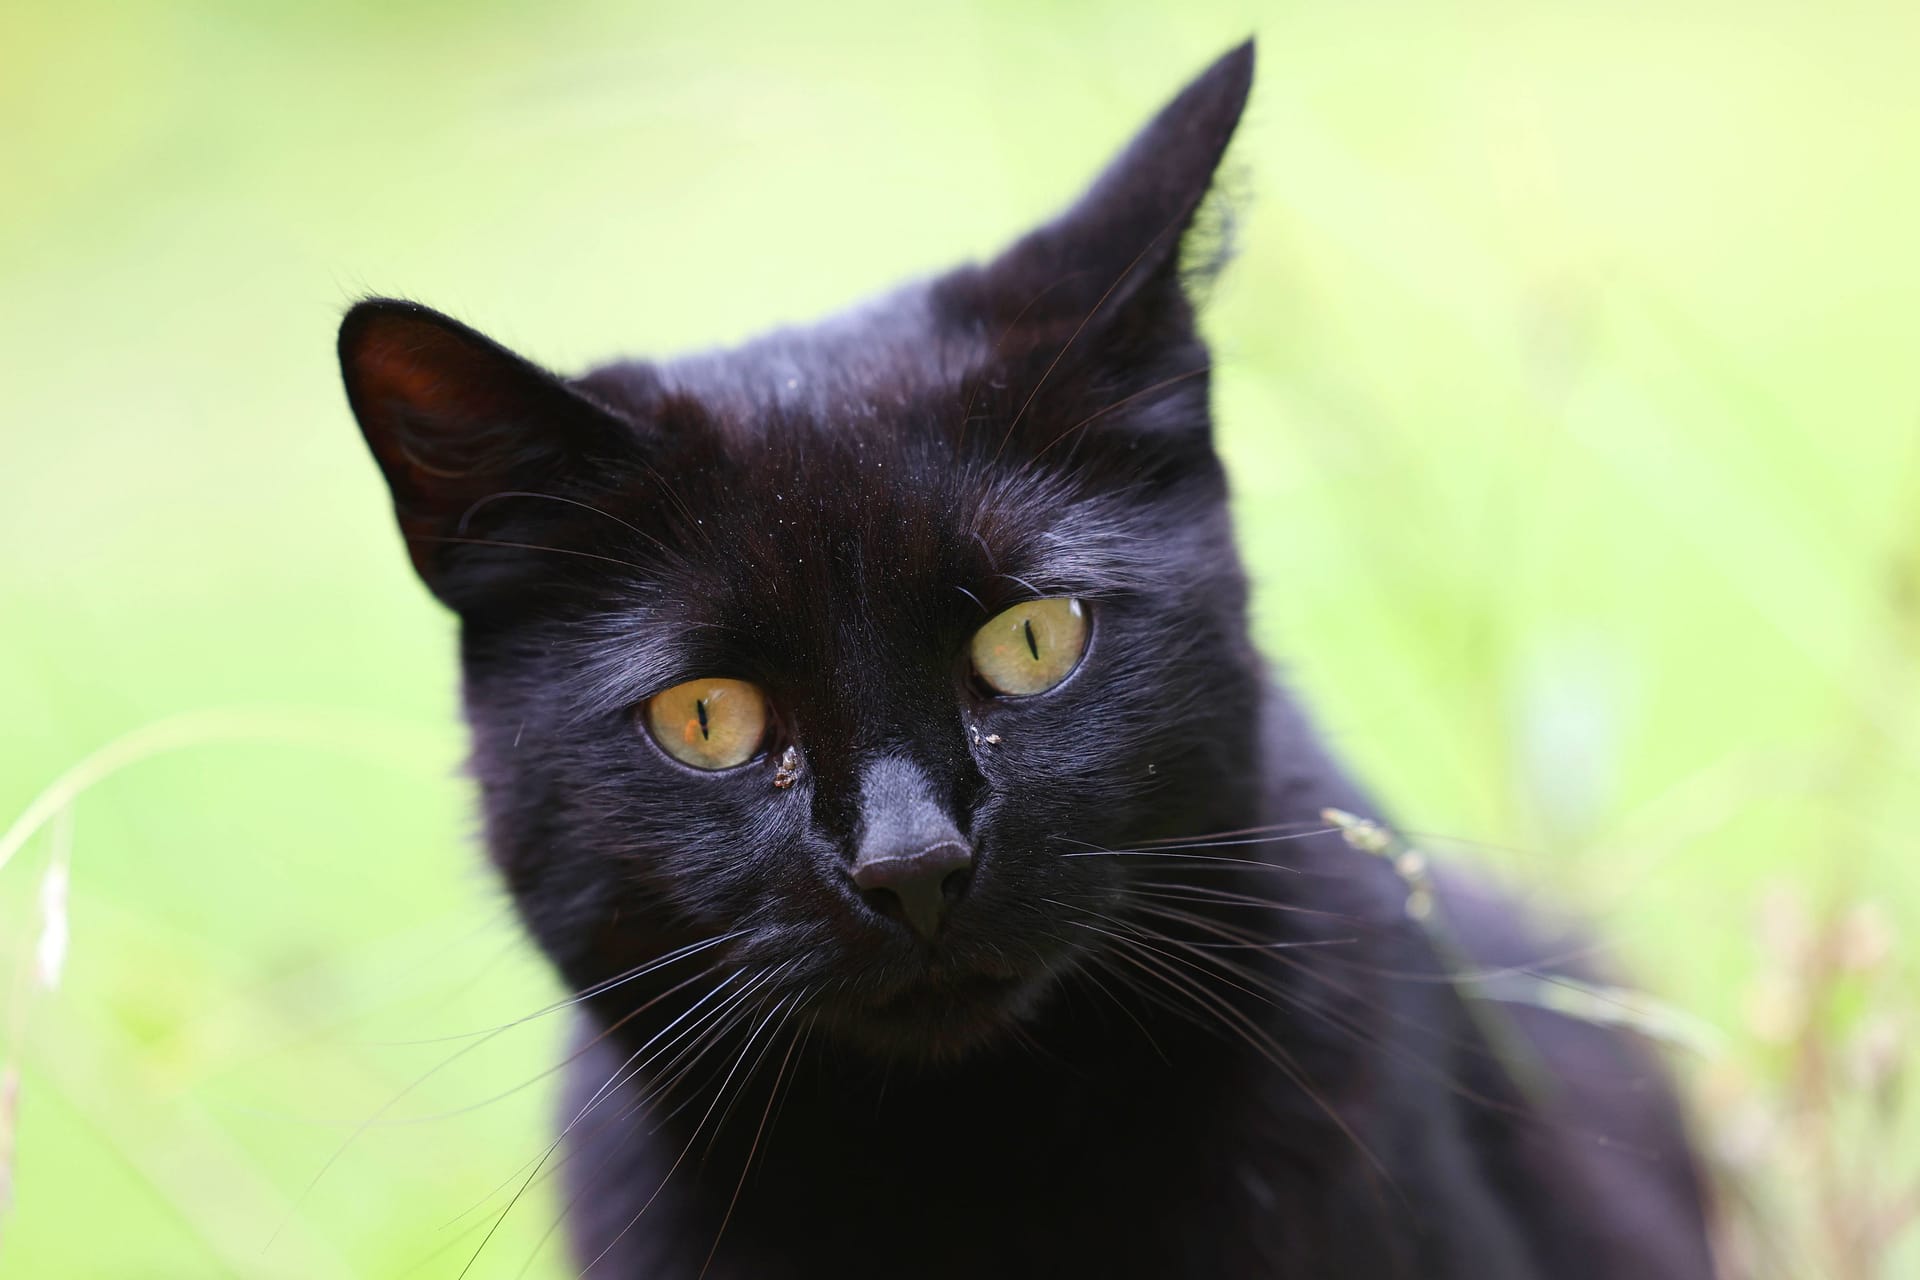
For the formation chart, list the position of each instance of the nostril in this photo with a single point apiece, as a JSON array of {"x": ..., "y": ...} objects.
[
  {"x": 955, "y": 886},
  {"x": 884, "y": 902}
]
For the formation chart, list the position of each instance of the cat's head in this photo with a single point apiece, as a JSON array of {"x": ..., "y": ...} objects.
[{"x": 847, "y": 645}]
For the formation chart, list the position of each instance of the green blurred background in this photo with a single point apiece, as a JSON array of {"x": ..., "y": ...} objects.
[{"x": 1567, "y": 376}]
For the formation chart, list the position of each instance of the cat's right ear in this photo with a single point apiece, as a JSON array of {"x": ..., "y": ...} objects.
[{"x": 457, "y": 421}]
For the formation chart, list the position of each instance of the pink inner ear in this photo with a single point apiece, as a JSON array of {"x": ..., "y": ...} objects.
[
  {"x": 453, "y": 420},
  {"x": 409, "y": 364},
  {"x": 430, "y": 398}
]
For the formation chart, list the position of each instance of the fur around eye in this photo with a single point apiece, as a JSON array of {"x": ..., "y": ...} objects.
[
  {"x": 709, "y": 724},
  {"x": 1031, "y": 647}
]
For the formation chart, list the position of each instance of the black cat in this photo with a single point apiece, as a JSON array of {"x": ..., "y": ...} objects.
[{"x": 868, "y": 729}]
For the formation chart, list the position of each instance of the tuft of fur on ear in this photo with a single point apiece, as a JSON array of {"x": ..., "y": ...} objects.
[
  {"x": 1212, "y": 237},
  {"x": 1128, "y": 229},
  {"x": 457, "y": 421}
]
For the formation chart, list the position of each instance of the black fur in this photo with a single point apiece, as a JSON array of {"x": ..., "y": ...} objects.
[{"x": 1124, "y": 1055}]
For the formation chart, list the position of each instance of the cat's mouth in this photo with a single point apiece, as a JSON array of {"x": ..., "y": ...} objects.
[
  {"x": 941, "y": 1014},
  {"x": 975, "y": 991}
]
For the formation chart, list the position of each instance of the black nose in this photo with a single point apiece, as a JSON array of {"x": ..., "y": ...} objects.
[
  {"x": 918, "y": 887},
  {"x": 910, "y": 861}
]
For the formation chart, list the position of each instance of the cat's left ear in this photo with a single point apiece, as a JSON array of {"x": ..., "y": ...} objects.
[
  {"x": 1120, "y": 244},
  {"x": 457, "y": 422}
]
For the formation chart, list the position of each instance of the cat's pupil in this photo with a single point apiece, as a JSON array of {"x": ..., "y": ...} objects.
[
  {"x": 700, "y": 709},
  {"x": 1033, "y": 646}
]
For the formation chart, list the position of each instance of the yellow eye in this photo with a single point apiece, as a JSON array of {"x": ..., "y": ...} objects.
[
  {"x": 1031, "y": 647},
  {"x": 709, "y": 724}
]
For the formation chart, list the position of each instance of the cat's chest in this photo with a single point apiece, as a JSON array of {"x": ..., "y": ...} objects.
[{"x": 1098, "y": 1185}]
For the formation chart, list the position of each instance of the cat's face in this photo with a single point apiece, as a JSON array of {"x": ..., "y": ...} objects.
[{"x": 840, "y": 647}]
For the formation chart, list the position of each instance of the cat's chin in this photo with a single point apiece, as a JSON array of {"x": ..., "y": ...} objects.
[{"x": 939, "y": 1019}]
